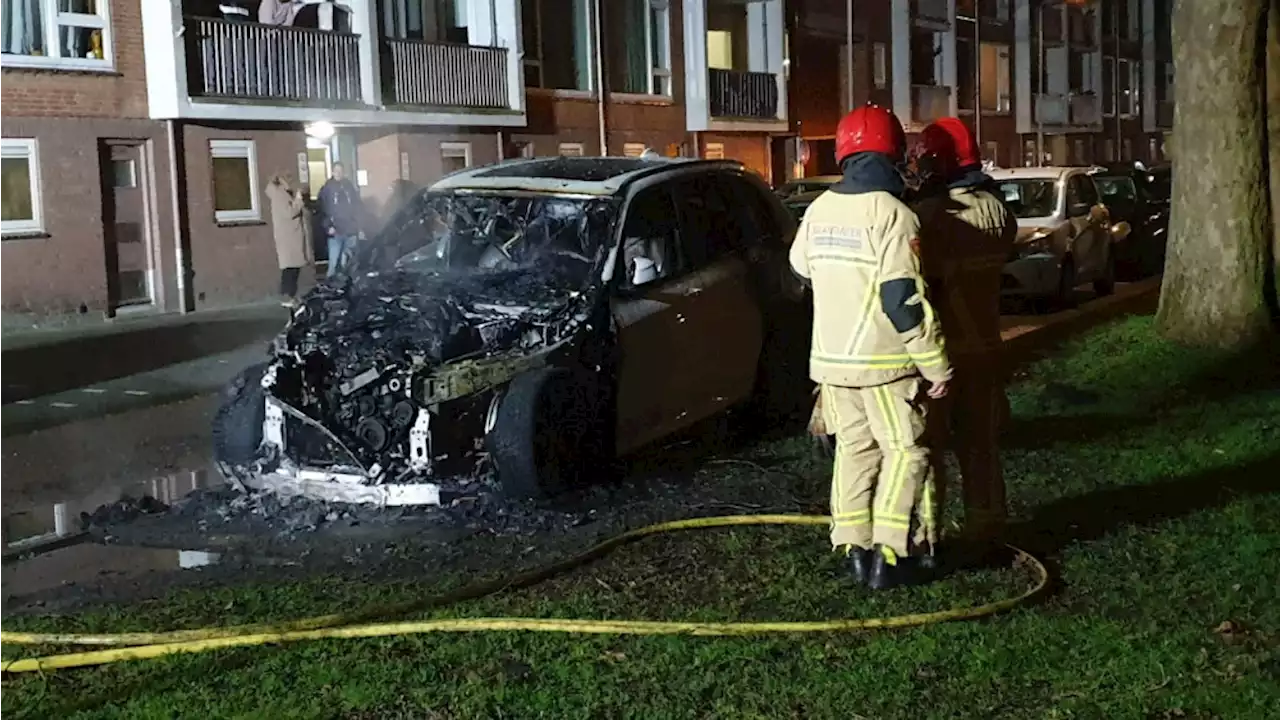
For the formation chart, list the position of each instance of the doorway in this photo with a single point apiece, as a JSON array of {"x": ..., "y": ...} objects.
[{"x": 126, "y": 224}]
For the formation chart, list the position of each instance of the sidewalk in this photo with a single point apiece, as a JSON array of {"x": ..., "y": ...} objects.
[{"x": 43, "y": 362}]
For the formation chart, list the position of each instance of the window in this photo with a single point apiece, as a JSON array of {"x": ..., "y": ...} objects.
[
  {"x": 557, "y": 44},
  {"x": 455, "y": 156},
  {"x": 711, "y": 224},
  {"x": 638, "y": 62},
  {"x": 1128, "y": 95},
  {"x": 571, "y": 150},
  {"x": 1108, "y": 88},
  {"x": 759, "y": 211},
  {"x": 633, "y": 150},
  {"x": 995, "y": 78},
  {"x": 879, "y": 65},
  {"x": 57, "y": 33},
  {"x": 650, "y": 252},
  {"x": 427, "y": 20},
  {"x": 713, "y": 151},
  {"x": 1127, "y": 146},
  {"x": 992, "y": 152},
  {"x": 994, "y": 10},
  {"x": 1081, "y": 196},
  {"x": 965, "y": 74},
  {"x": 1084, "y": 72},
  {"x": 1116, "y": 189},
  {"x": 926, "y": 57},
  {"x": 1131, "y": 20},
  {"x": 124, "y": 174},
  {"x": 235, "y": 180},
  {"x": 20, "y": 187}
]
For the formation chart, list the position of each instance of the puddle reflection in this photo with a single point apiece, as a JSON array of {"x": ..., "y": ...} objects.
[{"x": 45, "y": 548}]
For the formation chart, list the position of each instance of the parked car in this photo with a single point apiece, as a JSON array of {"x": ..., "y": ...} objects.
[
  {"x": 798, "y": 204},
  {"x": 1065, "y": 233},
  {"x": 806, "y": 186},
  {"x": 536, "y": 317},
  {"x": 1127, "y": 191}
]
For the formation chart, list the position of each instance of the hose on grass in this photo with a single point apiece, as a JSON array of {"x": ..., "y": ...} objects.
[{"x": 137, "y": 646}]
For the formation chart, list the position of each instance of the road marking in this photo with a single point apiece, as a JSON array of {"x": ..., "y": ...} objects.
[
  {"x": 62, "y": 404},
  {"x": 136, "y": 392},
  {"x": 92, "y": 391}
]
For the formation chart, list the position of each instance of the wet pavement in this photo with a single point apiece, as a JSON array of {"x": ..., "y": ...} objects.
[{"x": 151, "y": 446}]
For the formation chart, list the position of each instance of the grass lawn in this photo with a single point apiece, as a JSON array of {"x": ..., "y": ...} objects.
[{"x": 1148, "y": 476}]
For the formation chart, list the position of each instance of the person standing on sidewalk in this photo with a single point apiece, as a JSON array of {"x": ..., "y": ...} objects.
[
  {"x": 341, "y": 213},
  {"x": 288, "y": 229},
  {"x": 967, "y": 233},
  {"x": 877, "y": 351}
]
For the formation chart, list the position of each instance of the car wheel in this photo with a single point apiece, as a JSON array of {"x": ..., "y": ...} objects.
[
  {"x": 237, "y": 425},
  {"x": 1106, "y": 284},
  {"x": 545, "y": 437}
]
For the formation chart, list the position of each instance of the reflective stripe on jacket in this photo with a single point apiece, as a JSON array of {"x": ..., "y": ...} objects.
[
  {"x": 871, "y": 321},
  {"x": 966, "y": 235}
]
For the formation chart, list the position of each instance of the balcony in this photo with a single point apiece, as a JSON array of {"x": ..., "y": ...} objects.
[
  {"x": 929, "y": 103},
  {"x": 1051, "y": 109},
  {"x": 934, "y": 14},
  {"x": 270, "y": 63},
  {"x": 1082, "y": 30},
  {"x": 1164, "y": 114},
  {"x": 1053, "y": 29},
  {"x": 429, "y": 74},
  {"x": 746, "y": 95},
  {"x": 1084, "y": 109}
]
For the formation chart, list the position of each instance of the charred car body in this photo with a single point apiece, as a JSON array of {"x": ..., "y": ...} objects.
[{"x": 535, "y": 318}]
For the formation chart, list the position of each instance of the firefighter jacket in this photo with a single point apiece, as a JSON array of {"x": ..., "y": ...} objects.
[
  {"x": 856, "y": 246},
  {"x": 966, "y": 235}
]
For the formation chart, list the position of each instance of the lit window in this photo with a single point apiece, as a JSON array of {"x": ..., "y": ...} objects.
[
  {"x": 995, "y": 78},
  {"x": 235, "y": 180},
  {"x": 73, "y": 34},
  {"x": 713, "y": 151},
  {"x": 633, "y": 150},
  {"x": 571, "y": 150},
  {"x": 20, "y": 188},
  {"x": 455, "y": 156}
]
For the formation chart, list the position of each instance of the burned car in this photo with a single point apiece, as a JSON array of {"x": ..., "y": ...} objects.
[{"x": 530, "y": 320}]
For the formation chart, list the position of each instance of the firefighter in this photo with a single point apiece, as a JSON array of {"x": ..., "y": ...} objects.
[
  {"x": 966, "y": 234},
  {"x": 877, "y": 350}
]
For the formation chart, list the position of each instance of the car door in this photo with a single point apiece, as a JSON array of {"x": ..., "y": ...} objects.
[
  {"x": 1088, "y": 230},
  {"x": 651, "y": 316},
  {"x": 724, "y": 322}
]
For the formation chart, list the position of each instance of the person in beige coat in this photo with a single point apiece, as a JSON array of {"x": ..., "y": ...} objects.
[{"x": 289, "y": 230}]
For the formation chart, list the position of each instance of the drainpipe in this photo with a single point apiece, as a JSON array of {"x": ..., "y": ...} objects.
[
  {"x": 848, "y": 53},
  {"x": 178, "y": 202},
  {"x": 600, "y": 80},
  {"x": 1115, "y": 77}
]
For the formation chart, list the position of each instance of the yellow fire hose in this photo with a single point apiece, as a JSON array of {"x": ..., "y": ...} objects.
[{"x": 150, "y": 645}]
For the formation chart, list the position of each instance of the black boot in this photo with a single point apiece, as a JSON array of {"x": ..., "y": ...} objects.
[
  {"x": 928, "y": 563},
  {"x": 860, "y": 564},
  {"x": 885, "y": 575}
]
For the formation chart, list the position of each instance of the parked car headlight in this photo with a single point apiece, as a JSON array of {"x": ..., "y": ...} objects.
[{"x": 1037, "y": 243}]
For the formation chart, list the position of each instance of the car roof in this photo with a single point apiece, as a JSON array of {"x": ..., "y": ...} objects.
[
  {"x": 1036, "y": 173},
  {"x": 601, "y": 176},
  {"x": 831, "y": 179}
]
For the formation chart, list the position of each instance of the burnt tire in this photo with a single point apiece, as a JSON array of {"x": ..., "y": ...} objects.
[
  {"x": 546, "y": 437},
  {"x": 237, "y": 425}
]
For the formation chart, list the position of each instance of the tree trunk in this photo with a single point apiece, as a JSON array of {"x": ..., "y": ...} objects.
[
  {"x": 1273, "y": 147},
  {"x": 1220, "y": 232}
]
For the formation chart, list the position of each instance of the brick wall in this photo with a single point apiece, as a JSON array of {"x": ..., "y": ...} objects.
[
  {"x": 66, "y": 267},
  {"x": 234, "y": 263},
  {"x": 54, "y": 93}
]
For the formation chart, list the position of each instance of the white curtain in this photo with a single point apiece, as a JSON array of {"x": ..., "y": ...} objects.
[{"x": 23, "y": 28}]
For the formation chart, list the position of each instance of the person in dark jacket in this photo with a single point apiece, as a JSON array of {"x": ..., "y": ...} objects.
[{"x": 341, "y": 211}]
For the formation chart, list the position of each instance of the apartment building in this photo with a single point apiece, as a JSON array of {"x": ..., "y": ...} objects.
[
  {"x": 1052, "y": 81},
  {"x": 137, "y": 145}
]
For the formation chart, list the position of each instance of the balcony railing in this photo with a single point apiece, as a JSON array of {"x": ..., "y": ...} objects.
[
  {"x": 1164, "y": 114},
  {"x": 1051, "y": 109},
  {"x": 445, "y": 75},
  {"x": 1084, "y": 109},
  {"x": 248, "y": 61},
  {"x": 929, "y": 103},
  {"x": 736, "y": 94}
]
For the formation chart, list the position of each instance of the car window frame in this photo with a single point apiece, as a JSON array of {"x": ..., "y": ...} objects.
[
  {"x": 624, "y": 285},
  {"x": 710, "y": 253},
  {"x": 1073, "y": 195}
]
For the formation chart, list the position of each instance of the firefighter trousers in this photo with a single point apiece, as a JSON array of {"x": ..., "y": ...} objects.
[
  {"x": 881, "y": 463},
  {"x": 967, "y": 422}
]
